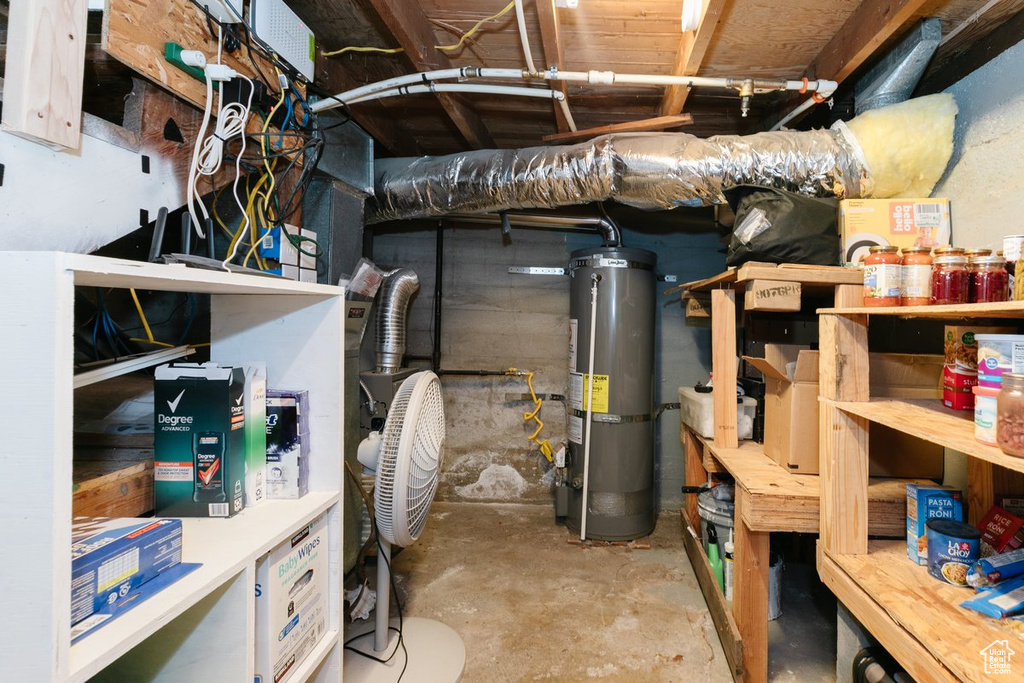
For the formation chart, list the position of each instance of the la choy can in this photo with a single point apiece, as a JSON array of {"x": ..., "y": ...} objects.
[{"x": 953, "y": 548}]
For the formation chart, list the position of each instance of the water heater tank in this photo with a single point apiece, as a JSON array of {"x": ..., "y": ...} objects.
[{"x": 620, "y": 503}]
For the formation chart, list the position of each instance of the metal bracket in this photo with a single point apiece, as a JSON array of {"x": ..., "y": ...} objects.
[{"x": 536, "y": 270}]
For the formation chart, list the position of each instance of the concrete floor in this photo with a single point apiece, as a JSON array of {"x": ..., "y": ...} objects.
[{"x": 531, "y": 606}]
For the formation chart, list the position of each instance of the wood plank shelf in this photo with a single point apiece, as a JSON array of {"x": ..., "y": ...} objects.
[
  {"x": 1002, "y": 309},
  {"x": 779, "y": 500},
  {"x": 933, "y": 422},
  {"x": 916, "y": 617},
  {"x": 825, "y": 277}
]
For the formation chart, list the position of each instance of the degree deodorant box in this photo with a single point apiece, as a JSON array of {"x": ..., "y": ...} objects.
[
  {"x": 291, "y": 602},
  {"x": 199, "y": 451}
]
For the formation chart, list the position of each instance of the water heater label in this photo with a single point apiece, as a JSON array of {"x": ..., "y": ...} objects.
[
  {"x": 573, "y": 326},
  {"x": 578, "y": 392},
  {"x": 575, "y": 429}
]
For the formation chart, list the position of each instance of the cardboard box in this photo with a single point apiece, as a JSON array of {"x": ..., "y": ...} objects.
[
  {"x": 926, "y": 502},
  {"x": 199, "y": 444},
  {"x": 255, "y": 433},
  {"x": 287, "y": 444},
  {"x": 111, "y": 557},
  {"x": 1001, "y": 531},
  {"x": 770, "y": 295},
  {"x": 791, "y": 410},
  {"x": 291, "y": 602},
  {"x": 909, "y": 222}
]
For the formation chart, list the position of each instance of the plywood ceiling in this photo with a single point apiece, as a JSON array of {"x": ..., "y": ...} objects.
[{"x": 836, "y": 39}]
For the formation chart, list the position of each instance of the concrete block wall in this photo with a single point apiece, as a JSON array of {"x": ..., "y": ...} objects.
[{"x": 492, "y": 320}]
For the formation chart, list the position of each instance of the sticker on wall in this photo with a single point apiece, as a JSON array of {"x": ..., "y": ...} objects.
[
  {"x": 573, "y": 326},
  {"x": 576, "y": 429}
]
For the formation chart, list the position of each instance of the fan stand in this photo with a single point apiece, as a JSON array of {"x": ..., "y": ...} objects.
[{"x": 436, "y": 652}]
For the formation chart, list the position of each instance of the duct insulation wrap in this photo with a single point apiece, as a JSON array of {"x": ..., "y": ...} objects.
[
  {"x": 621, "y": 476},
  {"x": 395, "y": 293},
  {"x": 645, "y": 170}
]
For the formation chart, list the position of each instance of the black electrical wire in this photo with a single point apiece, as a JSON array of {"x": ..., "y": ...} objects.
[{"x": 398, "y": 603}]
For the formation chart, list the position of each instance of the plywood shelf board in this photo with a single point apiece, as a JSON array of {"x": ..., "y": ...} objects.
[
  {"x": 1002, "y": 309},
  {"x": 811, "y": 276},
  {"x": 928, "y": 419},
  {"x": 225, "y": 547},
  {"x": 779, "y": 500},
  {"x": 915, "y": 616}
]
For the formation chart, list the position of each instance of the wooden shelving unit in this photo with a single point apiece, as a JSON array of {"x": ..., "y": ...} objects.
[
  {"x": 201, "y": 627},
  {"x": 916, "y": 617}
]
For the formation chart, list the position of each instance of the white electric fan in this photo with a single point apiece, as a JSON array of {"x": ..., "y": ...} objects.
[{"x": 406, "y": 458}]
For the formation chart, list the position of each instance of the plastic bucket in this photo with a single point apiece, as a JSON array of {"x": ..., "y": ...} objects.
[{"x": 718, "y": 512}]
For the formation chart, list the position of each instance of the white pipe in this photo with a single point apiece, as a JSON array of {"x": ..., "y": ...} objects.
[
  {"x": 383, "y": 615},
  {"x": 511, "y": 91},
  {"x": 521, "y": 20},
  {"x": 594, "y": 279},
  {"x": 387, "y": 84},
  {"x": 822, "y": 95},
  {"x": 564, "y": 104}
]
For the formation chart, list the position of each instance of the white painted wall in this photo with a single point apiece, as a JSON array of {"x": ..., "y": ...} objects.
[{"x": 76, "y": 201}]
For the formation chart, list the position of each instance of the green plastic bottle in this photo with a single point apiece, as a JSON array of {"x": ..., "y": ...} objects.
[{"x": 714, "y": 557}]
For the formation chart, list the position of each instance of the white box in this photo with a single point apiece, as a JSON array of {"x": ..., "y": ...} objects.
[
  {"x": 291, "y": 602},
  {"x": 697, "y": 411},
  {"x": 255, "y": 433}
]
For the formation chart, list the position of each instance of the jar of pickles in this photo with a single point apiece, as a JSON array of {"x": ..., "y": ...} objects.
[
  {"x": 916, "y": 277},
  {"x": 950, "y": 283},
  {"x": 988, "y": 278},
  {"x": 882, "y": 276},
  {"x": 1010, "y": 415}
]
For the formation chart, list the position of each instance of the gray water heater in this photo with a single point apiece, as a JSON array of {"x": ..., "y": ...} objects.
[{"x": 621, "y": 464}]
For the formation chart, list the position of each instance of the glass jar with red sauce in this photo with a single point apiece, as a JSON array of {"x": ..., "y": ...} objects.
[
  {"x": 916, "y": 277},
  {"x": 950, "y": 282},
  {"x": 882, "y": 276},
  {"x": 972, "y": 254},
  {"x": 989, "y": 280}
]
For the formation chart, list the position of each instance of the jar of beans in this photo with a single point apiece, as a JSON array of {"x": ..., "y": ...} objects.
[
  {"x": 949, "y": 280},
  {"x": 989, "y": 279},
  {"x": 1010, "y": 415}
]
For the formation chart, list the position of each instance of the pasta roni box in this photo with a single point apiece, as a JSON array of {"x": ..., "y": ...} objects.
[
  {"x": 199, "y": 449},
  {"x": 291, "y": 602},
  {"x": 924, "y": 502},
  {"x": 111, "y": 557}
]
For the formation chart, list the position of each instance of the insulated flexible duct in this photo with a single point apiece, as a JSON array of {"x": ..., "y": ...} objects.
[{"x": 395, "y": 293}]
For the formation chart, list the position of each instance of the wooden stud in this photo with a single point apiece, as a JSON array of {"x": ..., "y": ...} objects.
[
  {"x": 843, "y": 365},
  {"x": 750, "y": 592},
  {"x": 692, "y": 48},
  {"x": 695, "y": 472},
  {"x": 843, "y": 480},
  {"x": 980, "y": 489},
  {"x": 45, "y": 69},
  {"x": 551, "y": 42},
  {"x": 656, "y": 123},
  {"x": 409, "y": 25},
  {"x": 849, "y": 296},
  {"x": 723, "y": 365}
]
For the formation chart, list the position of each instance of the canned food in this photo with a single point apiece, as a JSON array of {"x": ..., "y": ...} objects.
[{"x": 953, "y": 548}]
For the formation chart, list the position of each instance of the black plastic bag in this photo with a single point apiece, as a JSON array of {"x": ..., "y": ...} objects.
[{"x": 776, "y": 226}]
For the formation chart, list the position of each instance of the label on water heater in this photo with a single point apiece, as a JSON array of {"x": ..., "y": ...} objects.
[
  {"x": 573, "y": 327},
  {"x": 575, "y": 429},
  {"x": 578, "y": 390}
]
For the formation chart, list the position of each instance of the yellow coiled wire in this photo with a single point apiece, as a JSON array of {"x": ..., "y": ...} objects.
[{"x": 545, "y": 445}]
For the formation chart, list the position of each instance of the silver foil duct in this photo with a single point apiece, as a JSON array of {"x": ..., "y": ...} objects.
[
  {"x": 646, "y": 170},
  {"x": 395, "y": 293}
]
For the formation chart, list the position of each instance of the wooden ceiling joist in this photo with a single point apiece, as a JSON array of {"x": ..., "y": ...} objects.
[
  {"x": 657, "y": 123},
  {"x": 409, "y": 25},
  {"x": 692, "y": 48},
  {"x": 551, "y": 42}
]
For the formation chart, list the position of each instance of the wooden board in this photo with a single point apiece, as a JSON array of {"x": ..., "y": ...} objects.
[
  {"x": 723, "y": 365},
  {"x": 721, "y": 613},
  {"x": 44, "y": 71},
  {"x": 810, "y": 276},
  {"x": 767, "y": 295},
  {"x": 656, "y": 123},
  {"x": 933, "y": 422},
  {"x": 778, "y": 500},
  {"x": 113, "y": 484},
  {"x": 916, "y": 617},
  {"x": 750, "y": 591},
  {"x": 843, "y": 453},
  {"x": 1002, "y": 309}
]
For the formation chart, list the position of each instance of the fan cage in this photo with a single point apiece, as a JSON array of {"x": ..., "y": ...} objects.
[{"x": 410, "y": 459}]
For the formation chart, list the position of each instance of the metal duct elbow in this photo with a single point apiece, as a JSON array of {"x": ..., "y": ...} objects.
[
  {"x": 652, "y": 171},
  {"x": 395, "y": 294}
]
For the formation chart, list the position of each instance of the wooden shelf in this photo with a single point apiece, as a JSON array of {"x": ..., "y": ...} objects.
[
  {"x": 1003, "y": 309},
  {"x": 916, "y": 617},
  {"x": 782, "y": 501},
  {"x": 810, "y": 276},
  {"x": 316, "y": 657},
  {"x": 225, "y": 547},
  {"x": 931, "y": 421}
]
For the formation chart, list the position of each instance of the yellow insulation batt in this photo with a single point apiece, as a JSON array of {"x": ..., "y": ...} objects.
[{"x": 907, "y": 145}]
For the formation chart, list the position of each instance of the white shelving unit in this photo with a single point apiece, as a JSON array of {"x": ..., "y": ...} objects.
[{"x": 202, "y": 627}]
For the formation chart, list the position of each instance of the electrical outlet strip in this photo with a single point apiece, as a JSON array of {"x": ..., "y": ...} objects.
[
  {"x": 280, "y": 28},
  {"x": 224, "y": 11}
]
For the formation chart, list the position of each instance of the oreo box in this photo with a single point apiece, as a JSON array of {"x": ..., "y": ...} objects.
[
  {"x": 112, "y": 557},
  {"x": 925, "y": 502},
  {"x": 199, "y": 445},
  {"x": 287, "y": 444}
]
